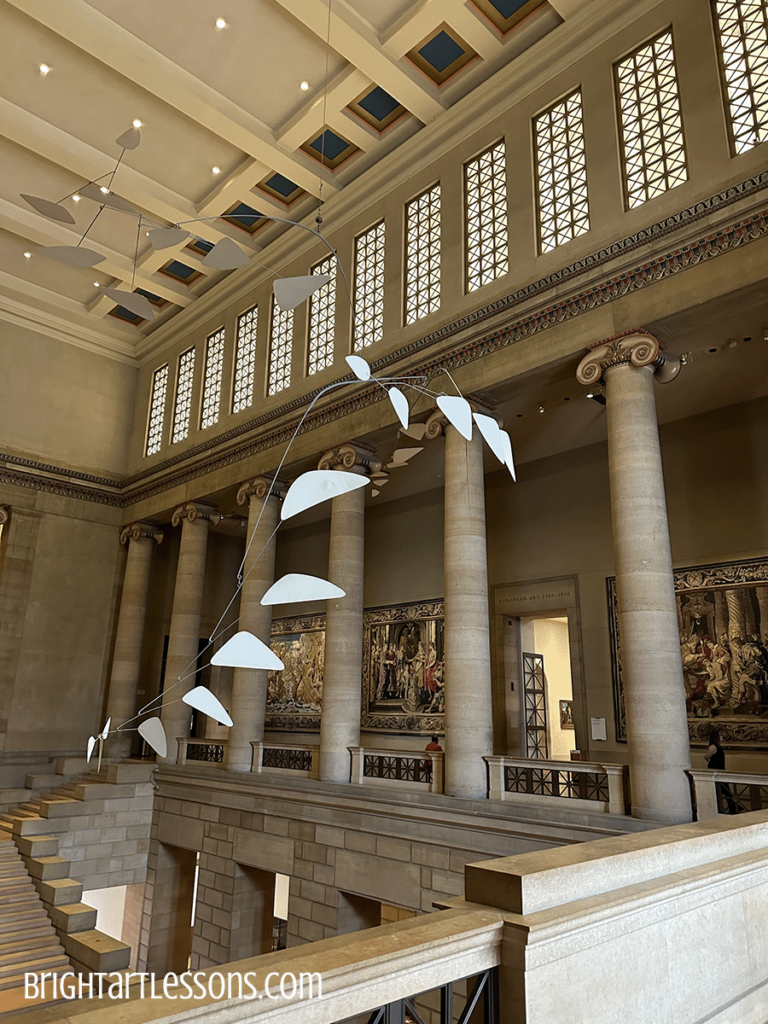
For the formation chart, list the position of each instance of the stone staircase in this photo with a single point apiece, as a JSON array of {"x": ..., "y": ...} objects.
[{"x": 44, "y": 925}]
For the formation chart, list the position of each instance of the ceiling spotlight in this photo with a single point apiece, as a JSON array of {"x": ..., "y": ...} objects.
[
  {"x": 541, "y": 408},
  {"x": 96, "y": 284},
  {"x": 304, "y": 86},
  {"x": 216, "y": 170},
  {"x": 732, "y": 343},
  {"x": 104, "y": 189},
  {"x": 44, "y": 69},
  {"x": 27, "y": 255},
  {"x": 597, "y": 396},
  {"x": 137, "y": 123},
  {"x": 221, "y": 23},
  {"x": 75, "y": 198}
]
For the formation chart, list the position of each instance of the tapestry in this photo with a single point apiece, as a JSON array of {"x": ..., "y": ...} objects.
[
  {"x": 403, "y": 668},
  {"x": 295, "y": 694},
  {"x": 722, "y": 613}
]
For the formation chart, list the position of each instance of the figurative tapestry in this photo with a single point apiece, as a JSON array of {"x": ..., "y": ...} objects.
[
  {"x": 722, "y": 613},
  {"x": 403, "y": 668},
  {"x": 295, "y": 695}
]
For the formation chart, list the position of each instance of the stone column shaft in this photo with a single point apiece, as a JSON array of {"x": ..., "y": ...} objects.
[
  {"x": 184, "y": 634},
  {"x": 736, "y": 624},
  {"x": 468, "y": 696},
  {"x": 657, "y": 725},
  {"x": 249, "y": 686},
  {"x": 126, "y": 663}
]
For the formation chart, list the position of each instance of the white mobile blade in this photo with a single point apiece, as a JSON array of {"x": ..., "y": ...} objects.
[
  {"x": 245, "y": 650},
  {"x": 491, "y": 431},
  {"x": 400, "y": 405},
  {"x": 202, "y": 699},
  {"x": 290, "y": 291},
  {"x": 316, "y": 486},
  {"x": 226, "y": 255},
  {"x": 297, "y": 587},
  {"x": 359, "y": 367},
  {"x": 132, "y": 301},
  {"x": 152, "y": 730},
  {"x": 458, "y": 413}
]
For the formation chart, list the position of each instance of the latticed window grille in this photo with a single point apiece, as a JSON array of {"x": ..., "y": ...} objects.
[
  {"x": 485, "y": 183},
  {"x": 157, "y": 410},
  {"x": 422, "y": 255},
  {"x": 183, "y": 401},
  {"x": 742, "y": 33},
  {"x": 245, "y": 359},
  {"x": 322, "y": 318},
  {"x": 369, "y": 287},
  {"x": 280, "y": 349},
  {"x": 214, "y": 360},
  {"x": 651, "y": 122},
  {"x": 561, "y": 173},
  {"x": 535, "y": 701}
]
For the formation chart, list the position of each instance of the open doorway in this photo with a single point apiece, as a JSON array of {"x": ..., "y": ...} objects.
[{"x": 540, "y": 648}]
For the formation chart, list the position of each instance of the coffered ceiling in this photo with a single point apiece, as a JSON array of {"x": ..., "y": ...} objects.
[{"x": 244, "y": 107}]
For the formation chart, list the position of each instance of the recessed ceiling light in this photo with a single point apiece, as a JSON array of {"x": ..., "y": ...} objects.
[
  {"x": 221, "y": 23},
  {"x": 75, "y": 198},
  {"x": 216, "y": 170},
  {"x": 104, "y": 189},
  {"x": 44, "y": 69},
  {"x": 28, "y": 255},
  {"x": 137, "y": 123},
  {"x": 96, "y": 284},
  {"x": 304, "y": 86}
]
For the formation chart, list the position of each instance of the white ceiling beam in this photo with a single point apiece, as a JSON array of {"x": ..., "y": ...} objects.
[
  {"x": 567, "y": 8},
  {"x": 308, "y": 122},
  {"x": 419, "y": 23},
  {"x": 353, "y": 39},
  {"x": 116, "y": 48}
]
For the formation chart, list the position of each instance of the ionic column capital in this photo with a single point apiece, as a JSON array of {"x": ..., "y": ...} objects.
[
  {"x": 637, "y": 348},
  {"x": 353, "y": 457},
  {"x": 193, "y": 510},
  {"x": 260, "y": 487},
  {"x": 5, "y": 514},
  {"x": 135, "y": 531}
]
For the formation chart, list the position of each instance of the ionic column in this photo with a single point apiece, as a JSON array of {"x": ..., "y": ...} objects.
[
  {"x": 468, "y": 695},
  {"x": 196, "y": 518},
  {"x": 126, "y": 663},
  {"x": 249, "y": 686},
  {"x": 657, "y": 726},
  {"x": 342, "y": 673}
]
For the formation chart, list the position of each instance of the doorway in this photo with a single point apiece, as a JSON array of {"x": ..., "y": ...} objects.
[{"x": 540, "y": 647}]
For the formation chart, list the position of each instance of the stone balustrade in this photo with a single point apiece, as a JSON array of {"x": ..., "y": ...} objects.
[
  {"x": 714, "y": 791},
  {"x": 299, "y": 759},
  {"x": 415, "y": 769},
  {"x": 192, "y": 749},
  {"x": 584, "y": 784}
]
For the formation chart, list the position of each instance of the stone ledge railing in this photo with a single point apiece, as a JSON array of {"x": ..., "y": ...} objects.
[
  {"x": 371, "y": 766},
  {"x": 747, "y": 792},
  {"x": 299, "y": 759},
  {"x": 584, "y": 784},
  {"x": 200, "y": 751}
]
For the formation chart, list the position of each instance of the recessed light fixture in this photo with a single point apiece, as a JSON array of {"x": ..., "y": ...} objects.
[
  {"x": 96, "y": 284},
  {"x": 44, "y": 69},
  {"x": 541, "y": 408},
  {"x": 221, "y": 23},
  {"x": 304, "y": 86},
  {"x": 216, "y": 170},
  {"x": 137, "y": 123},
  {"x": 75, "y": 198},
  {"x": 28, "y": 255}
]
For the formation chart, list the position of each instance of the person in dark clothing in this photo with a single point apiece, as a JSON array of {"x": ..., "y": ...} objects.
[{"x": 715, "y": 758}]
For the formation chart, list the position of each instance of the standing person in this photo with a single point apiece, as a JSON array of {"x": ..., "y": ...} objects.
[
  {"x": 433, "y": 745},
  {"x": 715, "y": 758}
]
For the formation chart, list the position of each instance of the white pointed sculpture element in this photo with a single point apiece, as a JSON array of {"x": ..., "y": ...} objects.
[
  {"x": 375, "y": 493},
  {"x": 290, "y": 291},
  {"x": 458, "y": 412},
  {"x": 297, "y": 587},
  {"x": 48, "y": 209},
  {"x": 359, "y": 367},
  {"x": 400, "y": 405},
  {"x": 93, "y": 191},
  {"x": 164, "y": 238},
  {"x": 75, "y": 255},
  {"x": 91, "y": 744},
  {"x": 105, "y": 731},
  {"x": 316, "y": 486},
  {"x": 138, "y": 304},
  {"x": 245, "y": 650},
  {"x": 202, "y": 699},
  {"x": 416, "y": 430},
  {"x": 491, "y": 431},
  {"x": 152, "y": 730},
  {"x": 129, "y": 139},
  {"x": 509, "y": 462},
  {"x": 226, "y": 255},
  {"x": 401, "y": 455}
]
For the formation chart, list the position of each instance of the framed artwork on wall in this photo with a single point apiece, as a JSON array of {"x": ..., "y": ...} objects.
[
  {"x": 403, "y": 668},
  {"x": 295, "y": 695},
  {"x": 566, "y": 714},
  {"x": 722, "y": 613}
]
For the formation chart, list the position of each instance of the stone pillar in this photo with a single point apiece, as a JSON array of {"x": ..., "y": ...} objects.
[
  {"x": 468, "y": 693},
  {"x": 123, "y": 681},
  {"x": 736, "y": 624},
  {"x": 249, "y": 686},
  {"x": 196, "y": 518},
  {"x": 657, "y": 726},
  {"x": 342, "y": 672}
]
